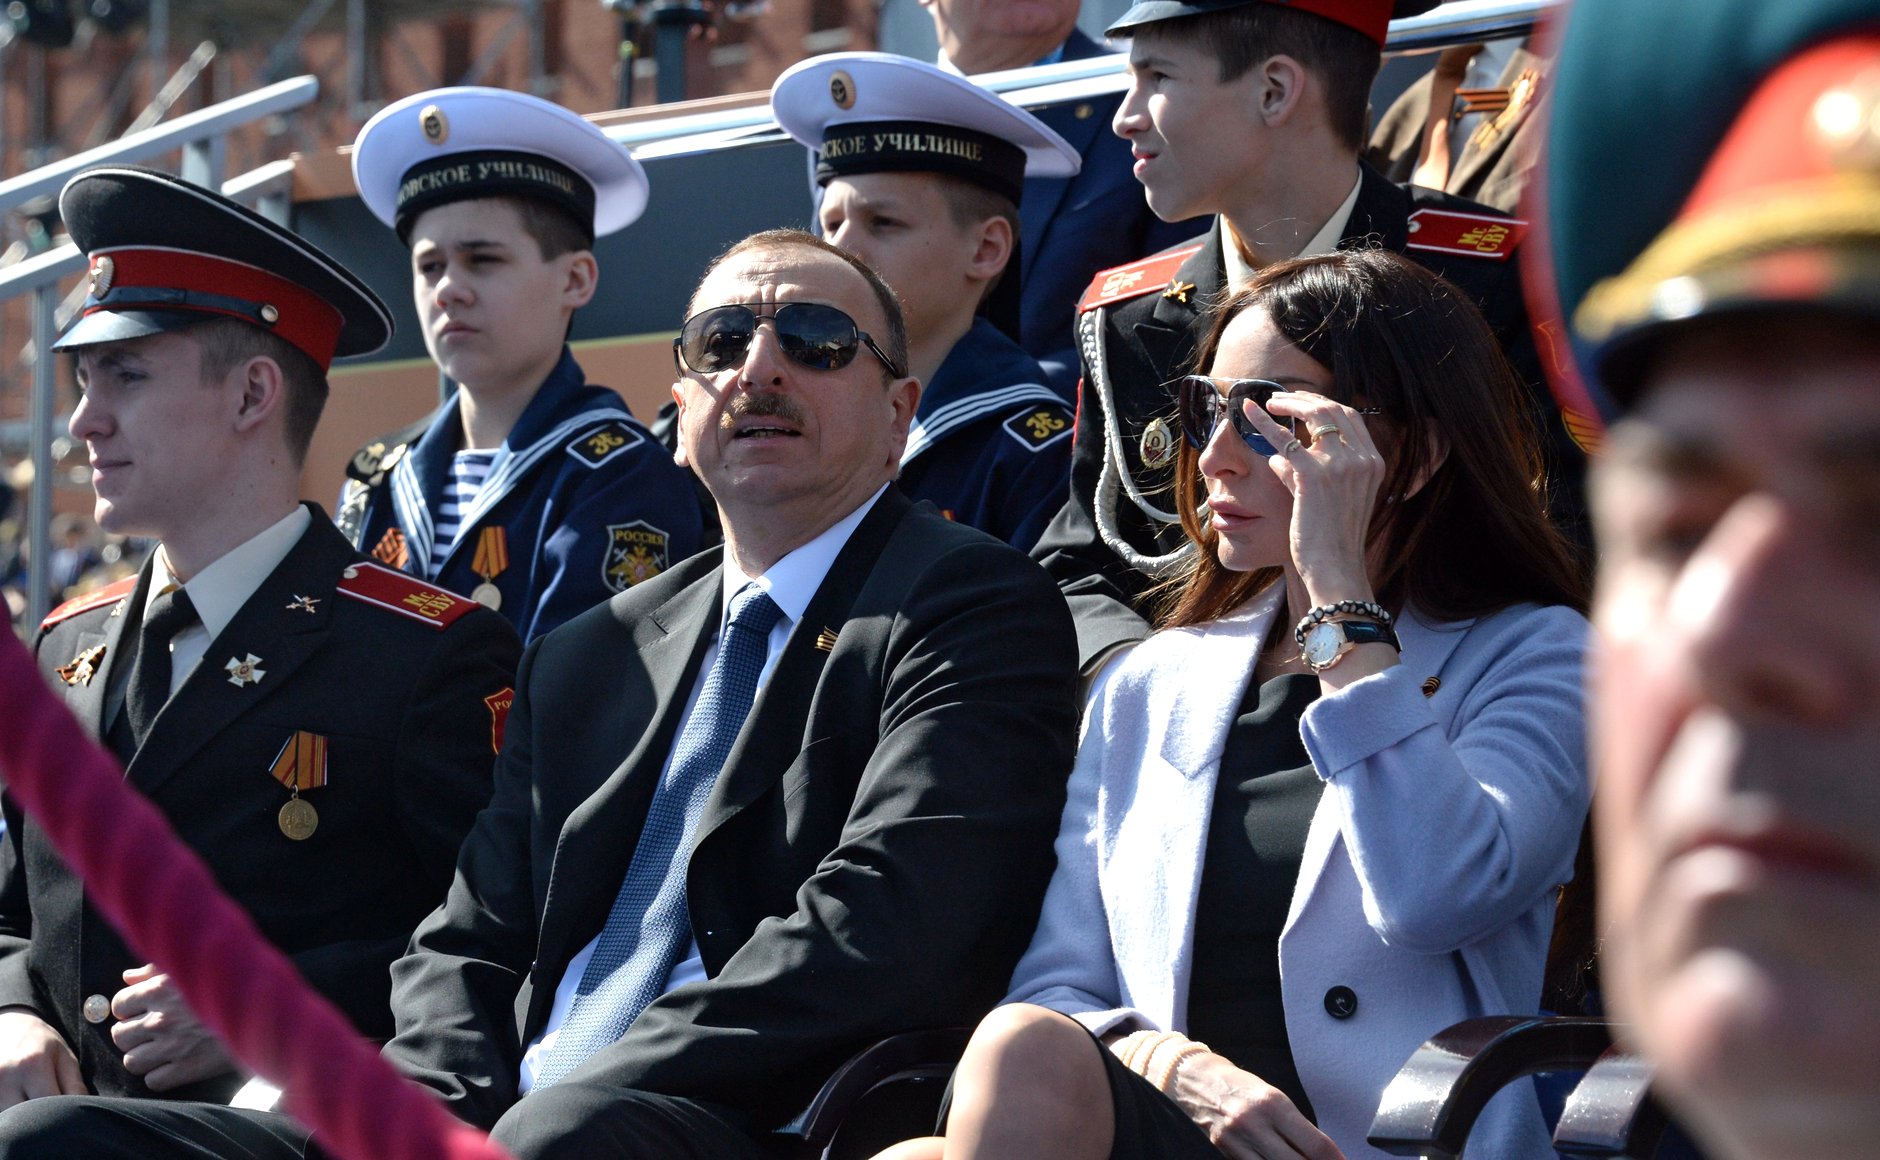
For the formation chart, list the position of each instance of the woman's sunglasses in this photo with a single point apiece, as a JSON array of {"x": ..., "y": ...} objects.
[
  {"x": 1201, "y": 400},
  {"x": 816, "y": 336}
]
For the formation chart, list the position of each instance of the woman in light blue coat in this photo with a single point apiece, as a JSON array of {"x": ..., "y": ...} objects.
[{"x": 1325, "y": 811}]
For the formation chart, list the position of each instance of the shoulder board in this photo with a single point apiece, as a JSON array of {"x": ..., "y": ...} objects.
[
  {"x": 109, "y": 594},
  {"x": 597, "y": 445},
  {"x": 404, "y": 594},
  {"x": 370, "y": 462},
  {"x": 1136, "y": 279},
  {"x": 1476, "y": 235},
  {"x": 1038, "y": 427}
]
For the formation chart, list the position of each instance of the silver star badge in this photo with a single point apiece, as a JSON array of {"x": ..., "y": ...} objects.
[{"x": 244, "y": 671}]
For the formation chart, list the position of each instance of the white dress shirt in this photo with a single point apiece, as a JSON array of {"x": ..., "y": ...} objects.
[
  {"x": 791, "y": 582},
  {"x": 220, "y": 590}
]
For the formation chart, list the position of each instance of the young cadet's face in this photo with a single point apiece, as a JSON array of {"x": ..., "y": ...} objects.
[
  {"x": 1195, "y": 138},
  {"x": 158, "y": 437},
  {"x": 494, "y": 311},
  {"x": 899, "y": 224},
  {"x": 1736, "y": 719}
]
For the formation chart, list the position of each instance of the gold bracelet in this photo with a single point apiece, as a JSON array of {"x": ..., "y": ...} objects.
[
  {"x": 1182, "y": 1055},
  {"x": 1129, "y": 1046}
]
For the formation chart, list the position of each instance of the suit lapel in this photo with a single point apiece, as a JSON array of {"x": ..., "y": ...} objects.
[
  {"x": 774, "y": 732},
  {"x": 1037, "y": 210},
  {"x": 598, "y": 836},
  {"x": 1382, "y": 215},
  {"x": 266, "y": 627}
]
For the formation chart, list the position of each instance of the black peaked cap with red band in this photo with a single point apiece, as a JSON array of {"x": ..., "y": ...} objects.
[
  {"x": 166, "y": 254},
  {"x": 1371, "y": 17}
]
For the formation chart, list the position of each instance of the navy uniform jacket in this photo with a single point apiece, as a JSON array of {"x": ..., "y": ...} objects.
[
  {"x": 587, "y": 503},
  {"x": 1075, "y": 226},
  {"x": 1138, "y": 331},
  {"x": 407, "y": 685},
  {"x": 991, "y": 442}
]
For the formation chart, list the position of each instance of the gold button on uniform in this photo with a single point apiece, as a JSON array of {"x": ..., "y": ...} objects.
[{"x": 97, "y": 1008}]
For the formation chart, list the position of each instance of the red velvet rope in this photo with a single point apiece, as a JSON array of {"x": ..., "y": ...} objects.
[{"x": 158, "y": 893}]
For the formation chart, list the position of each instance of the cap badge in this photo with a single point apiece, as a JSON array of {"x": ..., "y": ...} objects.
[
  {"x": 270, "y": 314},
  {"x": 1846, "y": 121},
  {"x": 103, "y": 269},
  {"x": 842, "y": 89},
  {"x": 435, "y": 124}
]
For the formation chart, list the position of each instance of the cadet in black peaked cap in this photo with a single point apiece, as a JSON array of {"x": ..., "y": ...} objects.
[{"x": 318, "y": 728}]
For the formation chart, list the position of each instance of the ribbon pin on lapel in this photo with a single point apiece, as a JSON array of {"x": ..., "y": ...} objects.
[
  {"x": 83, "y": 668},
  {"x": 826, "y": 640}
]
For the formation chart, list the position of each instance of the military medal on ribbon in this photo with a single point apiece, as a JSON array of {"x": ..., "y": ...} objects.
[
  {"x": 301, "y": 765},
  {"x": 492, "y": 557}
]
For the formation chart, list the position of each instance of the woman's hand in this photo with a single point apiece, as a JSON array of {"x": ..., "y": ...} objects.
[
  {"x": 1246, "y": 1117},
  {"x": 1334, "y": 480}
]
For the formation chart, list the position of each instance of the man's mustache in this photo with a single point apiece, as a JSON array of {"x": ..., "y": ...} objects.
[{"x": 761, "y": 405}]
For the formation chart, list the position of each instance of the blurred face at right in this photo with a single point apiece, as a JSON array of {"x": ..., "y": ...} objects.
[{"x": 1737, "y": 732}]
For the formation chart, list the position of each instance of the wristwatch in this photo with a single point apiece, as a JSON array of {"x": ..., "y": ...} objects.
[{"x": 1329, "y": 640}]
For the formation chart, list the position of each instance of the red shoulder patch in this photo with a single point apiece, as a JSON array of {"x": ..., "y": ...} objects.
[
  {"x": 1477, "y": 235},
  {"x": 1136, "y": 279},
  {"x": 109, "y": 594},
  {"x": 404, "y": 594}
]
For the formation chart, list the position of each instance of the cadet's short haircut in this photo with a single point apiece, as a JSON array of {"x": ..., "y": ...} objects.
[
  {"x": 1343, "y": 59},
  {"x": 555, "y": 230},
  {"x": 894, "y": 342},
  {"x": 227, "y": 343},
  {"x": 969, "y": 203}
]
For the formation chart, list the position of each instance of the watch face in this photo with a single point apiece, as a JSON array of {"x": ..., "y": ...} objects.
[{"x": 1322, "y": 643}]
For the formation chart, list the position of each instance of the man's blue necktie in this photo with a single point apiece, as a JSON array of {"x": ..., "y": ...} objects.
[{"x": 648, "y": 926}]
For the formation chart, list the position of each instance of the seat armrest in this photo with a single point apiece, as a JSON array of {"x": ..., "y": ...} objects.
[
  {"x": 911, "y": 1055},
  {"x": 1431, "y": 1106},
  {"x": 1611, "y": 1111}
]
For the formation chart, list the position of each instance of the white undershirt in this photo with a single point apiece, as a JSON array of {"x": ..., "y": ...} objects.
[{"x": 792, "y": 582}]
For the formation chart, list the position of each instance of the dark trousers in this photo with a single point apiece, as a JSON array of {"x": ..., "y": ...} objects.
[{"x": 571, "y": 1119}]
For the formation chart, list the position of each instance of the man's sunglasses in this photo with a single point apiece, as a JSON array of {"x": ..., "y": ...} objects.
[
  {"x": 816, "y": 336},
  {"x": 1201, "y": 400}
]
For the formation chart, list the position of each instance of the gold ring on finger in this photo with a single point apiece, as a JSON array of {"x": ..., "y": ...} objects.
[
  {"x": 1324, "y": 429},
  {"x": 1292, "y": 445}
]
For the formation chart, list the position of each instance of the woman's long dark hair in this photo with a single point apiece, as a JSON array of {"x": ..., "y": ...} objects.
[{"x": 1475, "y": 538}]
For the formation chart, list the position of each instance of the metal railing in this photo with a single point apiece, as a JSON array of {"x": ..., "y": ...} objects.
[
  {"x": 1455, "y": 22},
  {"x": 200, "y": 135}
]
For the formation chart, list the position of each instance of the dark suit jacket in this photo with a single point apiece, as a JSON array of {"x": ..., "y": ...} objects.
[
  {"x": 401, "y": 702},
  {"x": 871, "y": 860},
  {"x": 1150, "y": 339},
  {"x": 1072, "y": 227}
]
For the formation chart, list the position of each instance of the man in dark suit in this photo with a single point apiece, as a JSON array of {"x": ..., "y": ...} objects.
[
  {"x": 1072, "y": 226},
  {"x": 320, "y": 729},
  {"x": 1254, "y": 111},
  {"x": 787, "y": 798}
]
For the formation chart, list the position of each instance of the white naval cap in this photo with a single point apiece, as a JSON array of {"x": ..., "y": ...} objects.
[
  {"x": 467, "y": 142},
  {"x": 875, "y": 112}
]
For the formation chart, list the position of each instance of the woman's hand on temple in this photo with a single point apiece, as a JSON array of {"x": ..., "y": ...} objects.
[{"x": 1246, "y": 1117}]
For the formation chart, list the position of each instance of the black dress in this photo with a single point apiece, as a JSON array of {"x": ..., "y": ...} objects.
[{"x": 1264, "y": 798}]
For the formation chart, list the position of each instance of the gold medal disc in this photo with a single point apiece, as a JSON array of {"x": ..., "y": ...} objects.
[
  {"x": 299, "y": 819},
  {"x": 488, "y": 595}
]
